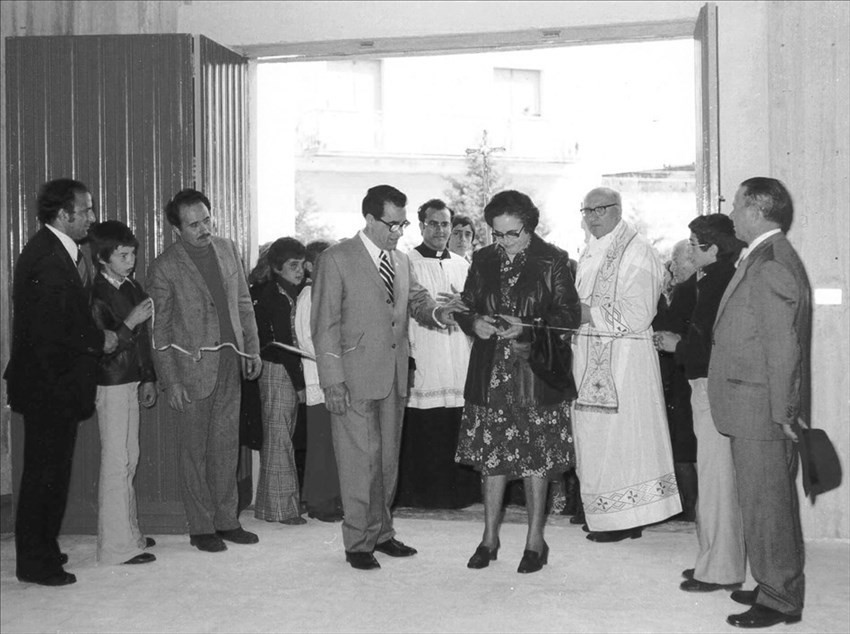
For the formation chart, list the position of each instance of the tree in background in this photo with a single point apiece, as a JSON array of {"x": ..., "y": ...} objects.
[
  {"x": 469, "y": 194},
  {"x": 309, "y": 225}
]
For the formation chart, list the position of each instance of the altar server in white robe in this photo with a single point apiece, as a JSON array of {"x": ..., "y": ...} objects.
[
  {"x": 623, "y": 453},
  {"x": 429, "y": 477}
]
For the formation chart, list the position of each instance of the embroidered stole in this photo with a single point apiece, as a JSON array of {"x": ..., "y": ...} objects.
[{"x": 597, "y": 391}]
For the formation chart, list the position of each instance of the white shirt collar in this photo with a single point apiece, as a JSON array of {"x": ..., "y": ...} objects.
[
  {"x": 752, "y": 246},
  {"x": 372, "y": 248},
  {"x": 67, "y": 241}
]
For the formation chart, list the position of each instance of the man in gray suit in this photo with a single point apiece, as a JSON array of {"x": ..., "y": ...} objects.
[
  {"x": 759, "y": 391},
  {"x": 362, "y": 297},
  {"x": 201, "y": 300}
]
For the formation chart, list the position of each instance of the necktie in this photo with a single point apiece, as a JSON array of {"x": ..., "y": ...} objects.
[
  {"x": 82, "y": 269},
  {"x": 387, "y": 272}
]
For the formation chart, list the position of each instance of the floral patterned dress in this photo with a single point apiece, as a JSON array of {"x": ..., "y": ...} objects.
[{"x": 506, "y": 436}]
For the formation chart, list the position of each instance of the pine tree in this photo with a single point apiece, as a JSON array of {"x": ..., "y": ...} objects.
[
  {"x": 309, "y": 225},
  {"x": 469, "y": 194}
]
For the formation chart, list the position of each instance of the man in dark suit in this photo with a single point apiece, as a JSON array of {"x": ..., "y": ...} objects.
[
  {"x": 51, "y": 376},
  {"x": 362, "y": 296},
  {"x": 758, "y": 390}
]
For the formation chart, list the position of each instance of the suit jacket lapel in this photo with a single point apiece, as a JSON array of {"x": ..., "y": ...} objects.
[
  {"x": 741, "y": 272},
  {"x": 188, "y": 265},
  {"x": 364, "y": 261}
]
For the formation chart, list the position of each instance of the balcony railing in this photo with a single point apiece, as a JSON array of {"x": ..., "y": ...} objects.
[{"x": 335, "y": 132}]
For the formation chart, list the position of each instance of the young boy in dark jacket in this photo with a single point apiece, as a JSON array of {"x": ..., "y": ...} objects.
[{"x": 125, "y": 378}]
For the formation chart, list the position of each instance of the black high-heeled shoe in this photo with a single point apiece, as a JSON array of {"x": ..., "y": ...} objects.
[
  {"x": 483, "y": 556},
  {"x": 533, "y": 561}
]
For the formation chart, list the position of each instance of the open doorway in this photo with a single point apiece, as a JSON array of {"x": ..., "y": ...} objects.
[{"x": 552, "y": 122}]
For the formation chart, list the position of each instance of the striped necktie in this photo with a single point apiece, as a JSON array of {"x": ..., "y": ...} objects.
[{"x": 387, "y": 273}]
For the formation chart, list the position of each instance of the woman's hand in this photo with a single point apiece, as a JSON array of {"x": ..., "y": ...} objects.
[
  {"x": 483, "y": 327},
  {"x": 666, "y": 341},
  {"x": 513, "y": 331}
]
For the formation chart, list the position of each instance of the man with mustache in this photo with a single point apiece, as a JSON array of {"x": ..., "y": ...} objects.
[{"x": 201, "y": 299}]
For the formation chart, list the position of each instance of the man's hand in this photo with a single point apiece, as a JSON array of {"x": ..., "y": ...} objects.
[
  {"x": 252, "y": 367},
  {"x": 789, "y": 432},
  {"x": 666, "y": 341},
  {"x": 140, "y": 313},
  {"x": 450, "y": 303},
  {"x": 110, "y": 341},
  {"x": 147, "y": 394},
  {"x": 586, "y": 317},
  {"x": 177, "y": 396},
  {"x": 337, "y": 398}
]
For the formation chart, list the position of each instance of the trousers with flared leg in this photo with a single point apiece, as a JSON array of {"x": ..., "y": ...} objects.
[
  {"x": 118, "y": 535},
  {"x": 720, "y": 532}
]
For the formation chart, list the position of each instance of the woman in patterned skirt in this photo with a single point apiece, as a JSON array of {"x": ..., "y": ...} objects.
[
  {"x": 516, "y": 421},
  {"x": 281, "y": 384}
]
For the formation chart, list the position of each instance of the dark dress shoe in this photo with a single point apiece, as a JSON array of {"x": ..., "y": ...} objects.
[
  {"x": 395, "y": 548},
  {"x": 695, "y": 585},
  {"x": 532, "y": 561},
  {"x": 605, "y": 537},
  {"x": 142, "y": 558},
  {"x": 62, "y": 559},
  {"x": 362, "y": 561},
  {"x": 238, "y": 536},
  {"x": 762, "y": 616},
  {"x": 208, "y": 542},
  {"x": 578, "y": 518},
  {"x": 150, "y": 542},
  {"x": 688, "y": 573},
  {"x": 60, "y": 578},
  {"x": 482, "y": 556},
  {"x": 745, "y": 597}
]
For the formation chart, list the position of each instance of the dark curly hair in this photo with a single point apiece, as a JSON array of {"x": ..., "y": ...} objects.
[{"x": 513, "y": 203}]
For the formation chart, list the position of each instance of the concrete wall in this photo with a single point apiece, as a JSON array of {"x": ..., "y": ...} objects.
[{"x": 784, "y": 102}]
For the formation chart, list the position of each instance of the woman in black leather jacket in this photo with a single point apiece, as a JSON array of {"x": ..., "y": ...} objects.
[{"x": 516, "y": 423}]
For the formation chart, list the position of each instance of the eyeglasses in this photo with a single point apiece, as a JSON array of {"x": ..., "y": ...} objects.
[
  {"x": 434, "y": 225},
  {"x": 701, "y": 245},
  {"x": 395, "y": 227},
  {"x": 507, "y": 234},
  {"x": 596, "y": 211}
]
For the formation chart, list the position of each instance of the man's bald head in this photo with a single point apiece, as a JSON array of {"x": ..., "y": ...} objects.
[{"x": 602, "y": 210}]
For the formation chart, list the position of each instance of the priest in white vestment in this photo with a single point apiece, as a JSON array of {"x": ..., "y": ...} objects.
[
  {"x": 623, "y": 454},
  {"x": 429, "y": 477}
]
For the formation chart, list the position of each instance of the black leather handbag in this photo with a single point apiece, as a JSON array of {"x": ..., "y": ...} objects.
[{"x": 550, "y": 358}]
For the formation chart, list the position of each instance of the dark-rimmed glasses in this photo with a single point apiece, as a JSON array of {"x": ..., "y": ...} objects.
[
  {"x": 596, "y": 211},
  {"x": 507, "y": 234},
  {"x": 395, "y": 227}
]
